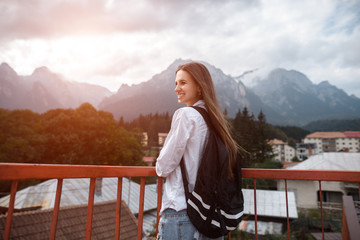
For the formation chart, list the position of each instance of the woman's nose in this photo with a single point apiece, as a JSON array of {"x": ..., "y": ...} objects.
[{"x": 177, "y": 88}]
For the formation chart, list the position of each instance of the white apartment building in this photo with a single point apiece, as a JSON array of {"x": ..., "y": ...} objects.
[
  {"x": 348, "y": 141},
  {"x": 305, "y": 150},
  {"x": 161, "y": 138},
  {"x": 283, "y": 152}
]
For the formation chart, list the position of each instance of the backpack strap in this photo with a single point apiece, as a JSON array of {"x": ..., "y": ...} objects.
[
  {"x": 206, "y": 117},
  {"x": 185, "y": 181}
]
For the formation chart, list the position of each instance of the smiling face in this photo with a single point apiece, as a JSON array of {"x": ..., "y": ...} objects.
[{"x": 187, "y": 90}]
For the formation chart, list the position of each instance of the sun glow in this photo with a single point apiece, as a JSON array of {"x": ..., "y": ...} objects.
[{"x": 76, "y": 56}]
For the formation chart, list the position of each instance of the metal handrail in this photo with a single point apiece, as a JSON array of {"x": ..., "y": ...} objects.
[{"x": 18, "y": 171}]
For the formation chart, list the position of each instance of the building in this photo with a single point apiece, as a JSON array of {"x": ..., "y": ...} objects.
[
  {"x": 271, "y": 211},
  {"x": 283, "y": 152},
  {"x": 162, "y": 138},
  {"x": 305, "y": 150},
  {"x": 348, "y": 141},
  {"x": 35, "y": 224},
  {"x": 144, "y": 139},
  {"x": 75, "y": 192},
  {"x": 270, "y": 204},
  {"x": 150, "y": 161},
  {"x": 307, "y": 192}
]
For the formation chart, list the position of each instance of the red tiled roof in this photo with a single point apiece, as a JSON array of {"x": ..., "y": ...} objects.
[
  {"x": 352, "y": 134},
  {"x": 285, "y": 164},
  {"x": 326, "y": 135},
  {"x": 149, "y": 159},
  {"x": 276, "y": 142}
]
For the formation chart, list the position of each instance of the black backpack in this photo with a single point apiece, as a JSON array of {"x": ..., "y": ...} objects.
[{"x": 216, "y": 205}]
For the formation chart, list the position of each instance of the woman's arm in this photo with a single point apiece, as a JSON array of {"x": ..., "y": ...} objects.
[{"x": 174, "y": 147}]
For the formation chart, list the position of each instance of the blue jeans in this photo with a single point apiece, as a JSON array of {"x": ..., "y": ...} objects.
[{"x": 177, "y": 226}]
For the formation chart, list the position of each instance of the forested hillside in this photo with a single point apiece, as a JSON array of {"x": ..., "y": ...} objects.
[
  {"x": 68, "y": 136},
  {"x": 334, "y": 125}
]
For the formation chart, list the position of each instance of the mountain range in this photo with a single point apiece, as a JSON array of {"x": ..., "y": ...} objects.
[
  {"x": 44, "y": 90},
  {"x": 286, "y": 97}
]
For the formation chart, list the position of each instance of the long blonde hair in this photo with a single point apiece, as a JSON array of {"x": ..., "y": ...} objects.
[{"x": 202, "y": 77}]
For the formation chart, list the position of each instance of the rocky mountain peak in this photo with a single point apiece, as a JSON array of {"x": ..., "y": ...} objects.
[
  {"x": 324, "y": 84},
  {"x": 42, "y": 71},
  {"x": 6, "y": 70},
  {"x": 290, "y": 78}
]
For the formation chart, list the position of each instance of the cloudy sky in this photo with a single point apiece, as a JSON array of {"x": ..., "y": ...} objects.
[{"x": 110, "y": 42}]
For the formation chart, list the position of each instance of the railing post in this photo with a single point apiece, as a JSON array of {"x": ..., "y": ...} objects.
[
  {"x": 90, "y": 209},
  {"x": 159, "y": 201},
  {"x": 118, "y": 209},
  {"x": 141, "y": 208},
  {"x": 287, "y": 210},
  {"x": 321, "y": 212},
  {"x": 10, "y": 212},
  {"x": 256, "y": 232},
  {"x": 56, "y": 209}
]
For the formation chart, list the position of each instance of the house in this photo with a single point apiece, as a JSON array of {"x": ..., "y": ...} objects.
[
  {"x": 305, "y": 150},
  {"x": 150, "y": 161},
  {"x": 270, "y": 204},
  {"x": 283, "y": 152},
  {"x": 75, "y": 192},
  {"x": 162, "y": 138},
  {"x": 348, "y": 141},
  {"x": 270, "y": 209},
  {"x": 144, "y": 139},
  {"x": 72, "y": 223},
  {"x": 307, "y": 192}
]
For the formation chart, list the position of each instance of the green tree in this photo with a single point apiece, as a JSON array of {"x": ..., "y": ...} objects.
[
  {"x": 21, "y": 138},
  {"x": 253, "y": 136},
  {"x": 72, "y": 136},
  {"x": 263, "y": 149}
]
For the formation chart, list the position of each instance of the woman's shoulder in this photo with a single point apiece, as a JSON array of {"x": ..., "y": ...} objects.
[{"x": 187, "y": 113}]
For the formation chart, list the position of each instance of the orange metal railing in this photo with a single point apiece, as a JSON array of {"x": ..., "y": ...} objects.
[{"x": 16, "y": 172}]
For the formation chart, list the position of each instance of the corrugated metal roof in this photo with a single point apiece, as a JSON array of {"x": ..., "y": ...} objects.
[
  {"x": 342, "y": 161},
  {"x": 72, "y": 223},
  {"x": 263, "y": 228},
  {"x": 76, "y": 192},
  {"x": 269, "y": 203}
]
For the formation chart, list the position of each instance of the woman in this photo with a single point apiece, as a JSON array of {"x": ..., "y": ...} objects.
[{"x": 187, "y": 137}]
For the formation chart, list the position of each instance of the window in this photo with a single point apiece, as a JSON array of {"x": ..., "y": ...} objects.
[{"x": 330, "y": 197}]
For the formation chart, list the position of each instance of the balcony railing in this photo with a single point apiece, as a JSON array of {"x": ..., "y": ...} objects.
[{"x": 16, "y": 172}]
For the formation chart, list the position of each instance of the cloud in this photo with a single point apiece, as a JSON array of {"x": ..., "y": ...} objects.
[
  {"x": 56, "y": 18},
  {"x": 131, "y": 41}
]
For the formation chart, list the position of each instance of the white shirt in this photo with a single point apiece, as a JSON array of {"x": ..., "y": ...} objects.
[{"x": 186, "y": 138}]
